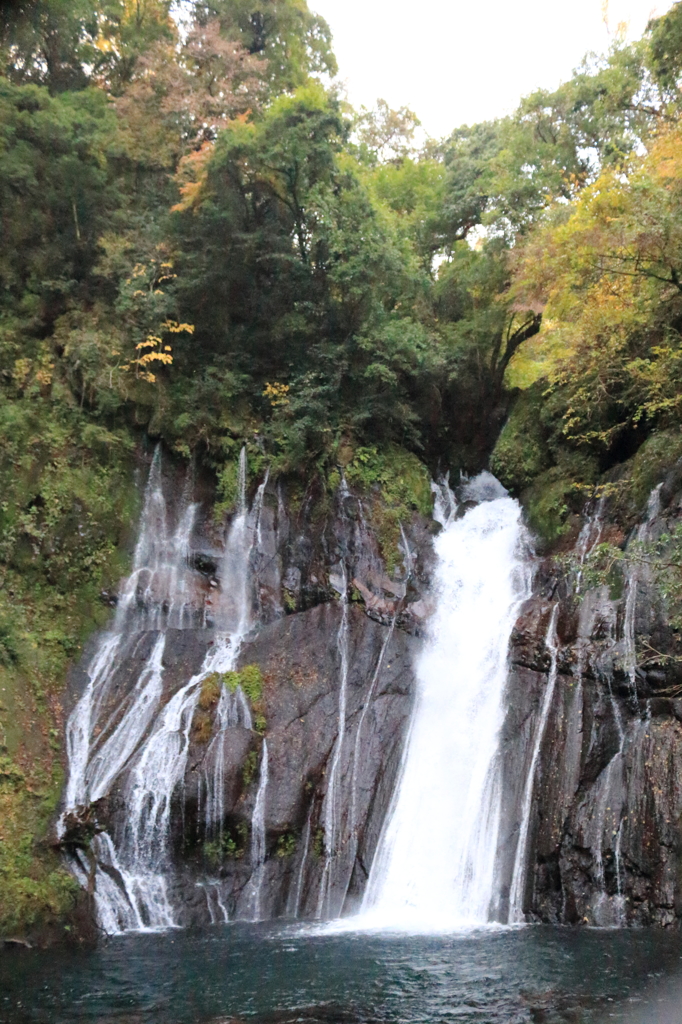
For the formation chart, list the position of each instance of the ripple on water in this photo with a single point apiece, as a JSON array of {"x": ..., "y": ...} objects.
[{"x": 281, "y": 974}]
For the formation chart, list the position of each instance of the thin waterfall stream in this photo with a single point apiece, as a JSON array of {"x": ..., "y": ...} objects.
[
  {"x": 258, "y": 834},
  {"x": 516, "y": 896},
  {"x": 331, "y": 808},
  {"x": 131, "y": 868}
]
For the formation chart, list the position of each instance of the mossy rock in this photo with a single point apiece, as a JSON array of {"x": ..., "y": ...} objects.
[
  {"x": 202, "y": 727},
  {"x": 250, "y": 767},
  {"x": 286, "y": 844},
  {"x": 521, "y": 454},
  {"x": 549, "y": 502},
  {"x": 210, "y": 691},
  {"x": 229, "y": 846},
  {"x": 250, "y": 678},
  {"x": 647, "y": 468},
  {"x": 399, "y": 485}
]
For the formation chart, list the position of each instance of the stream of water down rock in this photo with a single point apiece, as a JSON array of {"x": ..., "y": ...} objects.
[
  {"x": 434, "y": 867},
  {"x": 451, "y": 745}
]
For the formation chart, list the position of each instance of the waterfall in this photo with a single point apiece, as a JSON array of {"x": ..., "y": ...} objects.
[
  {"x": 633, "y": 575},
  {"x": 332, "y": 810},
  {"x": 157, "y": 594},
  {"x": 293, "y": 909},
  {"x": 435, "y": 866},
  {"x": 214, "y": 900},
  {"x": 357, "y": 749},
  {"x": 233, "y": 710},
  {"x": 589, "y": 537},
  {"x": 258, "y": 834},
  {"x": 153, "y": 779},
  {"x": 78, "y": 727},
  {"x": 518, "y": 883},
  {"x": 114, "y": 753},
  {"x": 141, "y": 744}
]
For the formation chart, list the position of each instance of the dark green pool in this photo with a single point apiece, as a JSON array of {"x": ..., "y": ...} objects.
[{"x": 285, "y": 974}]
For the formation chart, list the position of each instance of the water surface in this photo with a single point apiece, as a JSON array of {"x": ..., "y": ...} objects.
[{"x": 283, "y": 973}]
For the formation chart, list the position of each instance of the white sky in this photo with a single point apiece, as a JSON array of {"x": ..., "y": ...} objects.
[{"x": 461, "y": 61}]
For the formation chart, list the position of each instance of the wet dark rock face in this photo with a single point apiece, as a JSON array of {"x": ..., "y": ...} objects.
[
  {"x": 605, "y": 831},
  {"x": 300, "y": 660},
  {"x": 605, "y": 828},
  {"x": 320, "y": 595}
]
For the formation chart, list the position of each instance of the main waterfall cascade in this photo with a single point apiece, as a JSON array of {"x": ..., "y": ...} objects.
[{"x": 436, "y": 864}]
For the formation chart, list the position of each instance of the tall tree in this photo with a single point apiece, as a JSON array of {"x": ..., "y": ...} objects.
[
  {"x": 295, "y": 42},
  {"x": 67, "y": 44}
]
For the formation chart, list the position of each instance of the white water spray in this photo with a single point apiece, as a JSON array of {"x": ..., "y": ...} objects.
[
  {"x": 258, "y": 835},
  {"x": 131, "y": 870},
  {"x": 435, "y": 866}
]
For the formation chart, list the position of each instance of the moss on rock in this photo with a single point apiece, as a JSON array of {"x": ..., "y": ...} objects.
[
  {"x": 398, "y": 484},
  {"x": 521, "y": 453}
]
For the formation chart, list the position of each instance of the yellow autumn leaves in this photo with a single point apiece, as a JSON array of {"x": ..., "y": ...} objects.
[
  {"x": 154, "y": 350},
  {"x": 607, "y": 272}
]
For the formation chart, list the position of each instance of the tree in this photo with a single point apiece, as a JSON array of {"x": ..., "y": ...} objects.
[
  {"x": 608, "y": 271},
  {"x": 181, "y": 96},
  {"x": 292, "y": 276},
  {"x": 67, "y": 44},
  {"x": 386, "y": 134},
  {"x": 56, "y": 191},
  {"x": 295, "y": 42}
]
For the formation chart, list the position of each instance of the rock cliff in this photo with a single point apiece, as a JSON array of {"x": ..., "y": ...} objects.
[
  {"x": 283, "y": 791},
  {"x": 281, "y": 801},
  {"x": 605, "y": 831}
]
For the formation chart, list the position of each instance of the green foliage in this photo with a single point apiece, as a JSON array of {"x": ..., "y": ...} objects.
[
  {"x": 520, "y": 454},
  {"x": 259, "y": 723},
  {"x": 250, "y": 767},
  {"x": 548, "y": 503},
  {"x": 10, "y": 775},
  {"x": 250, "y": 678},
  {"x": 398, "y": 474},
  {"x": 210, "y": 691},
  {"x": 305, "y": 277},
  {"x": 202, "y": 728},
  {"x": 35, "y": 890},
  {"x": 661, "y": 561},
  {"x": 385, "y": 134},
  {"x": 209, "y": 695},
  {"x": 228, "y": 489},
  {"x": 286, "y": 844},
  {"x": 398, "y": 485},
  {"x": 295, "y": 42},
  {"x": 66, "y": 44},
  {"x": 230, "y": 845},
  {"x": 55, "y": 193},
  {"x": 648, "y": 467},
  {"x": 318, "y": 842}
]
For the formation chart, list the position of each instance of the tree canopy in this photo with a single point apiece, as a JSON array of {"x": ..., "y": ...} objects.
[{"x": 206, "y": 241}]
